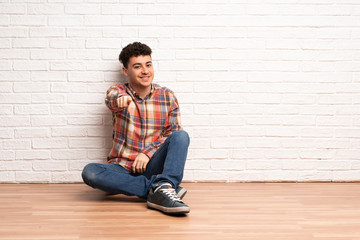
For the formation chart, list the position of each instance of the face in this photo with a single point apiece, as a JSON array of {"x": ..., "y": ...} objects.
[{"x": 140, "y": 73}]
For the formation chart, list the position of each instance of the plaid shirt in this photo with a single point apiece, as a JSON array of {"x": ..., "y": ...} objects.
[{"x": 143, "y": 126}]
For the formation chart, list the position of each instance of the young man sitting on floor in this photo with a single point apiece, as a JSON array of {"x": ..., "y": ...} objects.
[{"x": 149, "y": 146}]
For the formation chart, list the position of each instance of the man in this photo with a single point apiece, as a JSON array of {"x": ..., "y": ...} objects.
[{"x": 149, "y": 146}]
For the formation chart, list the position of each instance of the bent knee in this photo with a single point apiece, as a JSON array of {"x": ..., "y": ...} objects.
[
  {"x": 181, "y": 136},
  {"x": 89, "y": 173}
]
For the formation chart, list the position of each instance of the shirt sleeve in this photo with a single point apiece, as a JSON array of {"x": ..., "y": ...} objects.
[
  {"x": 112, "y": 94},
  {"x": 172, "y": 124}
]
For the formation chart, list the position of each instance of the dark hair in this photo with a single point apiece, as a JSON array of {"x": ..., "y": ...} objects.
[{"x": 134, "y": 49}]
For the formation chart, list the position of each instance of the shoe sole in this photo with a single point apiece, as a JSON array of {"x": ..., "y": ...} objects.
[
  {"x": 181, "y": 193},
  {"x": 174, "y": 210}
]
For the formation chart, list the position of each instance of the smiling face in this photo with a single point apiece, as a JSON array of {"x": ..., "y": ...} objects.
[{"x": 140, "y": 73}]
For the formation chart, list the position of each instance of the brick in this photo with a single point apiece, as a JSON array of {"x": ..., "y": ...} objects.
[
  {"x": 211, "y": 176},
  {"x": 333, "y": 121},
  {"x": 13, "y": 32},
  {"x": 7, "y": 177},
  {"x": 12, "y": 9},
  {"x": 31, "y": 133},
  {"x": 103, "y": 43},
  {"x": 68, "y": 154},
  {"x": 312, "y": 175},
  {"x": 14, "y": 54},
  {"x": 49, "y": 166},
  {"x": 346, "y": 175},
  {"x": 17, "y": 144},
  {"x": 98, "y": 154},
  {"x": 31, "y": 109},
  {"x": 4, "y": 20},
  {"x": 32, "y": 177},
  {"x": 32, "y": 155},
  {"x": 47, "y": 32},
  {"x": 67, "y": 43},
  {"x": 47, "y": 98},
  {"x": 83, "y": 9},
  {"x": 86, "y": 143},
  {"x": 263, "y": 142},
  {"x": 5, "y": 66},
  {"x": 228, "y": 165},
  {"x": 15, "y": 165},
  {"x": 67, "y": 87},
  {"x": 52, "y": 76},
  {"x": 49, "y": 143},
  {"x": 280, "y": 176},
  {"x": 211, "y": 154},
  {"x": 113, "y": 32},
  {"x": 227, "y": 121},
  {"x": 6, "y": 87},
  {"x": 30, "y": 65},
  {"x": 155, "y": 32},
  {"x": 246, "y": 176},
  {"x": 66, "y": 177},
  {"x": 31, "y": 87},
  {"x": 84, "y": 32},
  {"x": 83, "y": 54},
  {"x": 105, "y": 20},
  {"x": 197, "y": 164},
  {"x": 73, "y": 109},
  {"x": 214, "y": 109},
  {"x": 133, "y": 20},
  {"x": 119, "y": 9},
  {"x": 77, "y": 165},
  {"x": 45, "y": 9},
  {"x": 14, "y": 121},
  {"x": 48, "y": 121},
  {"x": 6, "y": 109},
  {"x": 47, "y": 54},
  {"x": 28, "y": 20},
  {"x": 85, "y": 120},
  {"x": 6, "y": 133},
  {"x": 69, "y": 132},
  {"x": 7, "y": 155},
  {"x": 67, "y": 66},
  {"x": 291, "y": 164},
  {"x": 85, "y": 98},
  {"x": 228, "y": 143},
  {"x": 204, "y": 21},
  {"x": 65, "y": 21}
]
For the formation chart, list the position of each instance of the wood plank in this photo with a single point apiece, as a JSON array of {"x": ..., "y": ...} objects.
[{"x": 288, "y": 211}]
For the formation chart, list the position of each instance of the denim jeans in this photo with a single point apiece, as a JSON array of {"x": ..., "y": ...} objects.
[{"x": 166, "y": 165}]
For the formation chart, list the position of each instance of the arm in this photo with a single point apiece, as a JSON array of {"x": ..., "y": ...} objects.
[{"x": 117, "y": 98}]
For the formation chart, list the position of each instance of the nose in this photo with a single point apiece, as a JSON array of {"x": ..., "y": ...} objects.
[{"x": 144, "y": 70}]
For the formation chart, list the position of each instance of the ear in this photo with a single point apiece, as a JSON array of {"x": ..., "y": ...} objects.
[{"x": 125, "y": 71}]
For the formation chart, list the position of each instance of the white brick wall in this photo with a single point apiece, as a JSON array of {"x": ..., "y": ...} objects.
[{"x": 269, "y": 89}]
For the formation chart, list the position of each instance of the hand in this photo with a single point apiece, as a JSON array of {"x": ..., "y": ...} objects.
[
  {"x": 140, "y": 163},
  {"x": 123, "y": 101}
]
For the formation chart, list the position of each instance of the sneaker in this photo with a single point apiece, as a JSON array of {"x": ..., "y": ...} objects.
[
  {"x": 165, "y": 199},
  {"x": 180, "y": 192}
]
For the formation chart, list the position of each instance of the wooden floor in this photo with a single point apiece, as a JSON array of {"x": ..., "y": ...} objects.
[{"x": 287, "y": 211}]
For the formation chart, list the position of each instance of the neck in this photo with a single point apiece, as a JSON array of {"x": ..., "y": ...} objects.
[{"x": 142, "y": 92}]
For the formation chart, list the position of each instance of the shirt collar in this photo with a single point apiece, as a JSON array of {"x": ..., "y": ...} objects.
[{"x": 153, "y": 86}]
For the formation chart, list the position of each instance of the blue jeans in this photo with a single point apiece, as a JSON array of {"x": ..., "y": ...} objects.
[{"x": 166, "y": 165}]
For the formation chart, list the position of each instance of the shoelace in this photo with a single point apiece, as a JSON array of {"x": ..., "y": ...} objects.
[{"x": 171, "y": 194}]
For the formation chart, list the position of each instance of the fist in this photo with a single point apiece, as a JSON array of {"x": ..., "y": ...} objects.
[{"x": 123, "y": 101}]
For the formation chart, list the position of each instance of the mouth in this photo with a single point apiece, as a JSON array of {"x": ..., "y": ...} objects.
[{"x": 145, "y": 78}]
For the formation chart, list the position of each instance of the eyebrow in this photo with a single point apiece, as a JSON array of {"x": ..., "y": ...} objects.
[{"x": 140, "y": 63}]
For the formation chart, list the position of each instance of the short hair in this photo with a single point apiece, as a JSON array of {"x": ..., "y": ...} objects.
[{"x": 134, "y": 49}]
